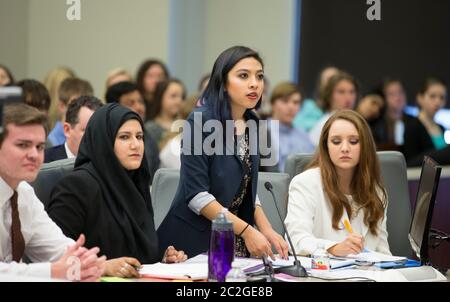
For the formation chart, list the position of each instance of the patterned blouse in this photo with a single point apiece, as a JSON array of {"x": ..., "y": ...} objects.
[{"x": 242, "y": 146}]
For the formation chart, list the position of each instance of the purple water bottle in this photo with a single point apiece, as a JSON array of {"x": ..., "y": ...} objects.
[{"x": 221, "y": 248}]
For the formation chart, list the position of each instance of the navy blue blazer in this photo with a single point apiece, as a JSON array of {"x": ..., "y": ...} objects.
[
  {"x": 55, "y": 153},
  {"x": 220, "y": 175}
]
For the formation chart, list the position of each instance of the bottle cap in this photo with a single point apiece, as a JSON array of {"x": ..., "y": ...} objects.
[{"x": 221, "y": 222}]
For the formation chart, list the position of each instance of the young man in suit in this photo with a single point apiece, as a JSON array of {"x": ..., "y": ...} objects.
[
  {"x": 78, "y": 114},
  {"x": 26, "y": 229}
]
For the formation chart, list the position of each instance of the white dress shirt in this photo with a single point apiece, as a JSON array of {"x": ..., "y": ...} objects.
[
  {"x": 44, "y": 240},
  {"x": 309, "y": 218},
  {"x": 170, "y": 154},
  {"x": 68, "y": 152}
]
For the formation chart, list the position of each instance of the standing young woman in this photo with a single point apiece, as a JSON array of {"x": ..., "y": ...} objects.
[
  {"x": 107, "y": 196},
  {"x": 210, "y": 182},
  {"x": 343, "y": 182}
]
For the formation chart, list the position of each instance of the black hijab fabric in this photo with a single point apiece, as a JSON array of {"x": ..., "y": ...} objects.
[{"x": 126, "y": 193}]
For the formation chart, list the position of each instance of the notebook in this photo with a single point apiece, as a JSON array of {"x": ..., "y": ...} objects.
[
  {"x": 181, "y": 271},
  {"x": 375, "y": 257},
  {"x": 249, "y": 265}
]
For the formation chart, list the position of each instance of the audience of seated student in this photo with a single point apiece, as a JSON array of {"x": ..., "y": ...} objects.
[
  {"x": 78, "y": 114},
  {"x": 128, "y": 95},
  {"x": 311, "y": 111},
  {"x": 149, "y": 74},
  {"x": 167, "y": 102},
  {"x": 107, "y": 196},
  {"x": 171, "y": 142},
  {"x": 342, "y": 182},
  {"x": 52, "y": 82},
  {"x": 371, "y": 107},
  {"x": 388, "y": 132},
  {"x": 286, "y": 101},
  {"x": 71, "y": 88},
  {"x": 35, "y": 94},
  {"x": 6, "y": 77},
  {"x": 25, "y": 228},
  {"x": 340, "y": 92},
  {"x": 211, "y": 180},
  {"x": 423, "y": 134}
]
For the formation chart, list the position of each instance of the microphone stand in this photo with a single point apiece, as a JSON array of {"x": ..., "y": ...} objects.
[{"x": 295, "y": 270}]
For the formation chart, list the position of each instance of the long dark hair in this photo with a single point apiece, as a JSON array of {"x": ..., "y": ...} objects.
[
  {"x": 35, "y": 94},
  {"x": 143, "y": 69},
  {"x": 215, "y": 95},
  {"x": 160, "y": 90},
  {"x": 428, "y": 82},
  {"x": 326, "y": 96}
]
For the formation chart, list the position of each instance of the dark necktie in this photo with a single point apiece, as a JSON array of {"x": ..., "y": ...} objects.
[{"x": 18, "y": 243}]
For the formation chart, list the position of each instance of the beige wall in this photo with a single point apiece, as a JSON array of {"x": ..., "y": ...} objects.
[
  {"x": 115, "y": 33},
  {"x": 111, "y": 33},
  {"x": 202, "y": 29},
  {"x": 265, "y": 25},
  {"x": 14, "y": 36}
]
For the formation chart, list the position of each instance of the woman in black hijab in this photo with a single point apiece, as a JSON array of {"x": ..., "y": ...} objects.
[{"x": 107, "y": 196}]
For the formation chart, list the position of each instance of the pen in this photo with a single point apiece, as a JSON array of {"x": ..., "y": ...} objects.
[{"x": 349, "y": 229}]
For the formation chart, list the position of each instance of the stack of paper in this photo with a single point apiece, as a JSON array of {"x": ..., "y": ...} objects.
[
  {"x": 194, "y": 271},
  {"x": 248, "y": 265},
  {"x": 375, "y": 257}
]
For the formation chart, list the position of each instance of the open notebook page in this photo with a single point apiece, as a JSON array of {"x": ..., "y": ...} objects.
[
  {"x": 195, "y": 271},
  {"x": 371, "y": 256}
]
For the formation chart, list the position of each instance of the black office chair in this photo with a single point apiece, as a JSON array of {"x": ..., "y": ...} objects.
[
  {"x": 49, "y": 175},
  {"x": 393, "y": 173}
]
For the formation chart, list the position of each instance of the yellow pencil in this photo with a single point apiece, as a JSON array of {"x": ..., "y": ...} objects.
[
  {"x": 347, "y": 226},
  {"x": 349, "y": 229}
]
